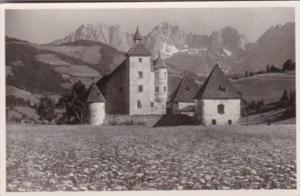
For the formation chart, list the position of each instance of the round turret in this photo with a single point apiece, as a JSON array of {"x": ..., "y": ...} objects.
[
  {"x": 161, "y": 80},
  {"x": 96, "y": 106}
]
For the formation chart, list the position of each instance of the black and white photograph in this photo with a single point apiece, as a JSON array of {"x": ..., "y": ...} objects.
[{"x": 143, "y": 97}]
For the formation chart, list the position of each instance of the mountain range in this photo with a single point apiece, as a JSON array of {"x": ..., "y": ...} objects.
[
  {"x": 93, "y": 50},
  {"x": 187, "y": 51}
]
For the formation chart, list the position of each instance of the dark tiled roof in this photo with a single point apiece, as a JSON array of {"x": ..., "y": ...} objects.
[
  {"x": 94, "y": 95},
  {"x": 137, "y": 35},
  {"x": 159, "y": 63},
  {"x": 107, "y": 77},
  {"x": 217, "y": 86},
  {"x": 139, "y": 50},
  {"x": 186, "y": 90}
]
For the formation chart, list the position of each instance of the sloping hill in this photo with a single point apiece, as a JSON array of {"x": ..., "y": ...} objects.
[
  {"x": 275, "y": 46},
  {"x": 47, "y": 68},
  {"x": 268, "y": 86}
]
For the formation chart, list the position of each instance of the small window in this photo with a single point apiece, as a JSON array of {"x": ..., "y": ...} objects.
[
  {"x": 165, "y": 89},
  {"x": 156, "y": 89},
  {"x": 139, "y": 104},
  {"x": 152, "y": 104},
  {"x": 120, "y": 89},
  {"x": 187, "y": 88},
  {"x": 156, "y": 75},
  {"x": 213, "y": 121},
  {"x": 140, "y": 60},
  {"x": 140, "y": 74},
  {"x": 229, "y": 122},
  {"x": 140, "y": 88},
  {"x": 222, "y": 88},
  {"x": 221, "y": 109}
]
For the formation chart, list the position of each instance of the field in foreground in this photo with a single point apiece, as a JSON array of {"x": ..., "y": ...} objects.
[{"x": 81, "y": 158}]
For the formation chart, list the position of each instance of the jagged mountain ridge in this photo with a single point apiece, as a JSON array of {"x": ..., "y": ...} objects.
[
  {"x": 164, "y": 39},
  {"x": 174, "y": 44},
  {"x": 100, "y": 32},
  {"x": 196, "y": 53}
]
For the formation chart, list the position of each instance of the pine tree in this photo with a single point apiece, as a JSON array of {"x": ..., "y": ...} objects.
[{"x": 284, "y": 96}]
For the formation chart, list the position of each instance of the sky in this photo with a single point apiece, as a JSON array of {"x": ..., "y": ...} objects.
[{"x": 44, "y": 26}]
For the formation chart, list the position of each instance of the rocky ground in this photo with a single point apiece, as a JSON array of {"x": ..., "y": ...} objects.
[{"x": 82, "y": 158}]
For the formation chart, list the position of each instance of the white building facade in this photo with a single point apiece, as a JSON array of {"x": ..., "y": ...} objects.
[{"x": 217, "y": 102}]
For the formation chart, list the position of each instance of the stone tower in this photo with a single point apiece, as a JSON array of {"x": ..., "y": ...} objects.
[
  {"x": 96, "y": 106},
  {"x": 140, "y": 83}
]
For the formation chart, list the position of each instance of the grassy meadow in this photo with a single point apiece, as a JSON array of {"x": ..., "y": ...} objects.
[{"x": 85, "y": 158}]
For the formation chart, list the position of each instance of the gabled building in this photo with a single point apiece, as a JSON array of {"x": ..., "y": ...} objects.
[
  {"x": 138, "y": 86},
  {"x": 182, "y": 100},
  {"x": 217, "y": 102}
]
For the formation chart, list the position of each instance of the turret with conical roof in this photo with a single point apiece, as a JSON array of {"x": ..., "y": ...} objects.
[
  {"x": 96, "y": 105},
  {"x": 160, "y": 80},
  {"x": 137, "y": 36},
  {"x": 94, "y": 95},
  {"x": 159, "y": 63},
  {"x": 138, "y": 49}
]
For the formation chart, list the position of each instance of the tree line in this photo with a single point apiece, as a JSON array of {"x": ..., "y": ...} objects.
[
  {"x": 288, "y": 65},
  {"x": 71, "y": 106},
  {"x": 287, "y": 101}
]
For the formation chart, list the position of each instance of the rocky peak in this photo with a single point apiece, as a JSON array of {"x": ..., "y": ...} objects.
[
  {"x": 100, "y": 32},
  {"x": 228, "y": 38}
]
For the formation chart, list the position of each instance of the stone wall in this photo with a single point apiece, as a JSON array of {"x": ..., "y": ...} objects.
[
  {"x": 210, "y": 112},
  {"x": 142, "y": 120},
  {"x": 144, "y": 66},
  {"x": 96, "y": 113}
]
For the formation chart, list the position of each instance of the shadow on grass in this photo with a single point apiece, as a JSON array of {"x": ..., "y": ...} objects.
[{"x": 175, "y": 120}]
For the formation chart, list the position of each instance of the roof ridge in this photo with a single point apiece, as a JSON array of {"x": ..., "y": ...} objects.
[{"x": 217, "y": 85}]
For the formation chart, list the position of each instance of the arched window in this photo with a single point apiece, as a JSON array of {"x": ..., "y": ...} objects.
[
  {"x": 221, "y": 109},
  {"x": 139, "y": 104}
]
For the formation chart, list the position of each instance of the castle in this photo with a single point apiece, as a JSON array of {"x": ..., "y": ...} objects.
[{"x": 139, "y": 86}]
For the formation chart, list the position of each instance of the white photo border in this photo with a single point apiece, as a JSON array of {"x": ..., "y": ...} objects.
[{"x": 139, "y": 5}]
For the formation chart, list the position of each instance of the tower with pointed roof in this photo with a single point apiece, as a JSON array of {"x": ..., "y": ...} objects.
[
  {"x": 96, "y": 106},
  {"x": 129, "y": 89},
  {"x": 140, "y": 81},
  {"x": 217, "y": 102},
  {"x": 137, "y": 36}
]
